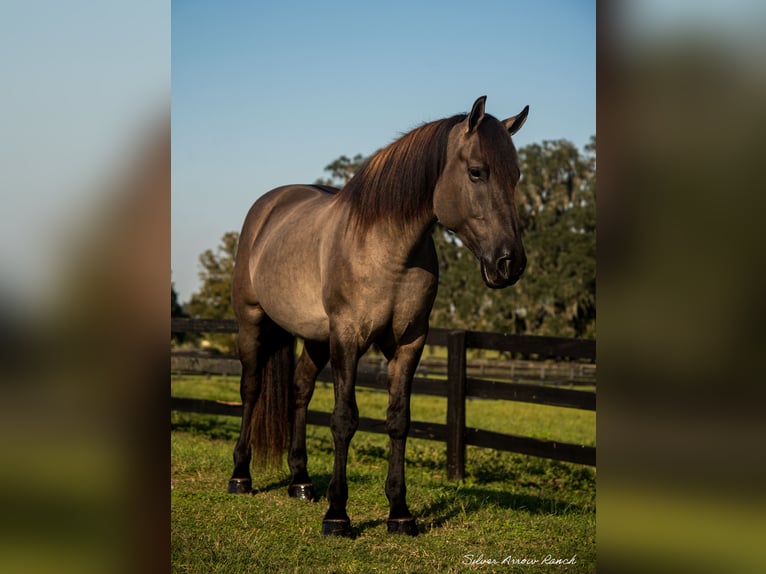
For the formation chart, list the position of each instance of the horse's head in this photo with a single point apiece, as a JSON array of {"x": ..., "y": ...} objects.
[{"x": 475, "y": 194}]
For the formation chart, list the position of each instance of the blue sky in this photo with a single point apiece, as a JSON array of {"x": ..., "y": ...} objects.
[
  {"x": 83, "y": 83},
  {"x": 268, "y": 93}
]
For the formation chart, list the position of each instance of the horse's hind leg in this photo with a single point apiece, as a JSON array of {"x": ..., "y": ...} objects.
[
  {"x": 249, "y": 389},
  {"x": 312, "y": 360}
]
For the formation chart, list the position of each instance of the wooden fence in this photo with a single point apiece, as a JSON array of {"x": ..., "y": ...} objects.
[{"x": 456, "y": 388}]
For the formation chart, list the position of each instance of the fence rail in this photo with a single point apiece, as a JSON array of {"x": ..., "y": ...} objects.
[{"x": 456, "y": 388}]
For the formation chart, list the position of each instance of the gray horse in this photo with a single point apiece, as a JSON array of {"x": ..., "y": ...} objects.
[{"x": 345, "y": 269}]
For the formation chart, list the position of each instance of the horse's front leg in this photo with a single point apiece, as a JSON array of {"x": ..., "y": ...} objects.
[
  {"x": 344, "y": 357},
  {"x": 312, "y": 360},
  {"x": 401, "y": 369}
]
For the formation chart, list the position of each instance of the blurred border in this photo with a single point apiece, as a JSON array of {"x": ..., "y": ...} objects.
[
  {"x": 84, "y": 480},
  {"x": 681, "y": 460},
  {"x": 84, "y": 286}
]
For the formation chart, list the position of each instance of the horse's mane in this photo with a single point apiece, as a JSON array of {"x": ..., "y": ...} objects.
[{"x": 397, "y": 182}]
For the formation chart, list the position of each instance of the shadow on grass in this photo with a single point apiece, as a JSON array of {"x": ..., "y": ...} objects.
[
  {"x": 360, "y": 528},
  {"x": 496, "y": 480},
  {"x": 471, "y": 500},
  {"x": 208, "y": 426},
  {"x": 320, "y": 482}
]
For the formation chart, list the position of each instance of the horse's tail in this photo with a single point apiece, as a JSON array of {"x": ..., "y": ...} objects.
[{"x": 270, "y": 423}]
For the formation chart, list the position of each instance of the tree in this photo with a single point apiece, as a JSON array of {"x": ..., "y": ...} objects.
[
  {"x": 460, "y": 300},
  {"x": 342, "y": 170},
  {"x": 558, "y": 200},
  {"x": 213, "y": 300},
  {"x": 177, "y": 310}
]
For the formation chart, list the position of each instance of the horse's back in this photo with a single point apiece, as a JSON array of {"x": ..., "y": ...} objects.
[
  {"x": 283, "y": 207},
  {"x": 284, "y": 198}
]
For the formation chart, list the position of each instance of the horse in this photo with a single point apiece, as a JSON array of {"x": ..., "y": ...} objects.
[{"x": 344, "y": 269}]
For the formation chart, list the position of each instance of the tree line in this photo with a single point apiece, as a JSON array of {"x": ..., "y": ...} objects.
[{"x": 556, "y": 296}]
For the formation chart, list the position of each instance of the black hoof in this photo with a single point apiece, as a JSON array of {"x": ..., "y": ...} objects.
[
  {"x": 240, "y": 486},
  {"x": 302, "y": 491},
  {"x": 337, "y": 528},
  {"x": 403, "y": 526}
]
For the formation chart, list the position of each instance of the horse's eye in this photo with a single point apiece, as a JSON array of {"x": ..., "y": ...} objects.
[{"x": 477, "y": 174}]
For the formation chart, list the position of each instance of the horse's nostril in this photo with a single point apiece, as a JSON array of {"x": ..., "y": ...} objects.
[
  {"x": 509, "y": 267},
  {"x": 504, "y": 265}
]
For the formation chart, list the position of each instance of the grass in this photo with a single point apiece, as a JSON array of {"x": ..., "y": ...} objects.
[{"x": 509, "y": 505}]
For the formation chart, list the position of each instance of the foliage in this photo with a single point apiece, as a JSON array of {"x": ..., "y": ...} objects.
[
  {"x": 461, "y": 302},
  {"x": 177, "y": 310},
  {"x": 342, "y": 170},
  {"x": 213, "y": 300},
  {"x": 558, "y": 198}
]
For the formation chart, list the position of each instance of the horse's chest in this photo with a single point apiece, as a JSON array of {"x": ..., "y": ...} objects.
[{"x": 380, "y": 299}]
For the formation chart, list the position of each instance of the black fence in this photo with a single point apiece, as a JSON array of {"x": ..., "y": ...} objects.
[{"x": 457, "y": 387}]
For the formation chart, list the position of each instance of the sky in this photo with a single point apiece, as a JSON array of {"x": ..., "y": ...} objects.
[
  {"x": 268, "y": 93},
  {"x": 82, "y": 82}
]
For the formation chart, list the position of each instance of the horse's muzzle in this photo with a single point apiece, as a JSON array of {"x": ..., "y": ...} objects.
[{"x": 504, "y": 271}]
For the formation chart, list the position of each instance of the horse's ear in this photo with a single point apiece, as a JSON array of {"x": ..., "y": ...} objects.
[
  {"x": 514, "y": 124},
  {"x": 477, "y": 113}
]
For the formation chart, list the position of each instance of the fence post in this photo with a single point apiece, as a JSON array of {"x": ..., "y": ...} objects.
[{"x": 456, "y": 368}]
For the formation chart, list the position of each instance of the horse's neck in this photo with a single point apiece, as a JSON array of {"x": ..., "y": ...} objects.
[{"x": 399, "y": 240}]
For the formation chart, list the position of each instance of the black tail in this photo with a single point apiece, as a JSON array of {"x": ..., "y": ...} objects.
[{"x": 270, "y": 424}]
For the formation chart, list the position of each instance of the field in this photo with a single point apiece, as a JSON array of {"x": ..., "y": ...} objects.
[{"x": 512, "y": 513}]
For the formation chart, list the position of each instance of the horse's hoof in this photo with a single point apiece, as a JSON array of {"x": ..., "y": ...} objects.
[
  {"x": 403, "y": 526},
  {"x": 240, "y": 486},
  {"x": 302, "y": 491},
  {"x": 339, "y": 527}
]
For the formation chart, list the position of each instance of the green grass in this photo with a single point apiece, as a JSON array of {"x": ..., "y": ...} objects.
[{"x": 509, "y": 505}]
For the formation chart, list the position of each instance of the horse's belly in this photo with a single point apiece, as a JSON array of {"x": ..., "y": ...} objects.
[
  {"x": 289, "y": 291},
  {"x": 285, "y": 263},
  {"x": 305, "y": 321}
]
